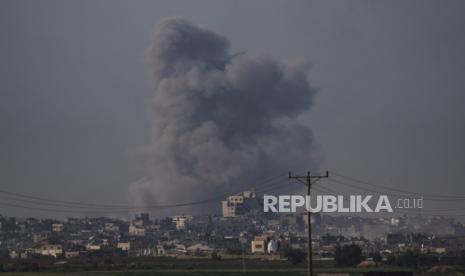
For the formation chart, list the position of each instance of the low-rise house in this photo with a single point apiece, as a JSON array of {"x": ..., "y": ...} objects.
[
  {"x": 439, "y": 250},
  {"x": 145, "y": 252},
  {"x": 58, "y": 227},
  {"x": 179, "y": 249},
  {"x": 259, "y": 244},
  {"x": 124, "y": 246},
  {"x": 72, "y": 254},
  {"x": 136, "y": 231},
  {"x": 17, "y": 254},
  {"x": 199, "y": 250},
  {"x": 46, "y": 249},
  {"x": 160, "y": 250},
  {"x": 72, "y": 250},
  {"x": 93, "y": 247},
  {"x": 111, "y": 227},
  {"x": 41, "y": 236},
  {"x": 180, "y": 221}
]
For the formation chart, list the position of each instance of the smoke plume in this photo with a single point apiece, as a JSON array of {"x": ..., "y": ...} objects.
[{"x": 219, "y": 120}]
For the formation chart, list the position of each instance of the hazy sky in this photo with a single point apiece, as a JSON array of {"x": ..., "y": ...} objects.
[{"x": 74, "y": 88}]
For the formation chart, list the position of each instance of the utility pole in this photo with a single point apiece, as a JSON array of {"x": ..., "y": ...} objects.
[
  {"x": 243, "y": 258},
  {"x": 242, "y": 241},
  {"x": 309, "y": 181}
]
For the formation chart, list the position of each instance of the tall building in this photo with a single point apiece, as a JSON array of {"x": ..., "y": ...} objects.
[{"x": 236, "y": 205}]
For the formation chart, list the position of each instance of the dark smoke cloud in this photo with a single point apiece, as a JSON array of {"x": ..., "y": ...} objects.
[{"x": 219, "y": 120}]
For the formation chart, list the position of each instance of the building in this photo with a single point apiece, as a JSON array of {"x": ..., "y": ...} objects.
[
  {"x": 93, "y": 246},
  {"x": 160, "y": 250},
  {"x": 41, "y": 236},
  {"x": 180, "y": 221},
  {"x": 46, "y": 249},
  {"x": 72, "y": 254},
  {"x": 259, "y": 245},
  {"x": 136, "y": 231},
  {"x": 180, "y": 249},
  {"x": 15, "y": 254},
  {"x": 124, "y": 246},
  {"x": 199, "y": 249},
  {"x": 57, "y": 227},
  {"x": 393, "y": 240},
  {"x": 234, "y": 205},
  {"x": 111, "y": 227},
  {"x": 145, "y": 218}
]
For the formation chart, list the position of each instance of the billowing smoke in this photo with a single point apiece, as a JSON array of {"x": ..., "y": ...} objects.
[{"x": 220, "y": 120}]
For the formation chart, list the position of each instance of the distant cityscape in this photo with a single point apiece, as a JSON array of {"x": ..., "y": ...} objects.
[{"x": 242, "y": 229}]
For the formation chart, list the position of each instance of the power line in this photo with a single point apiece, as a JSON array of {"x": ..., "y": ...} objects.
[
  {"x": 57, "y": 201},
  {"x": 405, "y": 210},
  {"x": 429, "y": 215},
  {"x": 388, "y": 193},
  {"x": 395, "y": 189},
  {"x": 325, "y": 189},
  {"x": 434, "y": 210},
  {"x": 110, "y": 208}
]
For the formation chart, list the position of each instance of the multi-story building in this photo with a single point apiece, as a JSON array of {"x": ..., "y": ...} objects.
[{"x": 234, "y": 205}]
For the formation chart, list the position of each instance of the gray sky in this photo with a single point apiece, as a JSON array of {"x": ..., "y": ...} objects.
[{"x": 74, "y": 88}]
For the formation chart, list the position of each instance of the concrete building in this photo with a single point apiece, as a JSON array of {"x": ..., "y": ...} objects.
[
  {"x": 72, "y": 254},
  {"x": 259, "y": 245},
  {"x": 124, "y": 246},
  {"x": 199, "y": 249},
  {"x": 161, "y": 250},
  {"x": 136, "y": 231},
  {"x": 111, "y": 227},
  {"x": 15, "y": 254},
  {"x": 93, "y": 247},
  {"x": 180, "y": 221},
  {"x": 53, "y": 250},
  {"x": 234, "y": 205},
  {"x": 57, "y": 227}
]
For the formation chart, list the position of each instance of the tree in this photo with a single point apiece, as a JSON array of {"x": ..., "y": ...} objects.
[
  {"x": 407, "y": 259},
  {"x": 391, "y": 259},
  {"x": 348, "y": 255},
  {"x": 295, "y": 256},
  {"x": 426, "y": 260},
  {"x": 462, "y": 257},
  {"x": 377, "y": 257},
  {"x": 216, "y": 256}
]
